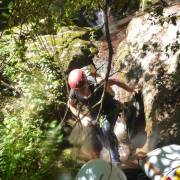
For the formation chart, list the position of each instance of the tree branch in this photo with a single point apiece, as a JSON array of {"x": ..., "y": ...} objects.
[{"x": 108, "y": 39}]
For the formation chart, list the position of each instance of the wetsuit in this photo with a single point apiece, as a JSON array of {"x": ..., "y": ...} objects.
[{"x": 109, "y": 113}]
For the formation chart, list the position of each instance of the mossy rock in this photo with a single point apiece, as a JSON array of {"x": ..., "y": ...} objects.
[
  {"x": 71, "y": 46},
  {"x": 72, "y": 32},
  {"x": 79, "y": 54},
  {"x": 123, "y": 51}
]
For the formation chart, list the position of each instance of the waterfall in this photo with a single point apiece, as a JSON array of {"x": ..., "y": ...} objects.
[{"x": 100, "y": 19}]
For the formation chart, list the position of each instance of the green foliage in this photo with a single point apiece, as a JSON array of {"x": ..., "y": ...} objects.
[
  {"x": 29, "y": 138},
  {"x": 147, "y": 4},
  {"x": 46, "y": 15},
  {"x": 26, "y": 145},
  {"x": 25, "y": 151},
  {"x": 31, "y": 11},
  {"x": 70, "y": 161},
  {"x": 72, "y": 7}
]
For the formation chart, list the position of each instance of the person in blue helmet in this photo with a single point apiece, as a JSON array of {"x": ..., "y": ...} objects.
[{"x": 86, "y": 91}]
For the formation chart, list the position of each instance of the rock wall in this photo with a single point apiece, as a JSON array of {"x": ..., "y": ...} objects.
[
  {"x": 71, "y": 44},
  {"x": 150, "y": 56}
]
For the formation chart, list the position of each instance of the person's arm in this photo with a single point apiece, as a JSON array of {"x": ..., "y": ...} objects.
[
  {"x": 85, "y": 119},
  {"x": 113, "y": 81},
  {"x": 120, "y": 84},
  {"x": 73, "y": 108}
]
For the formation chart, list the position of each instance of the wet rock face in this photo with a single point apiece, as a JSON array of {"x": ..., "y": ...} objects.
[{"x": 150, "y": 56}]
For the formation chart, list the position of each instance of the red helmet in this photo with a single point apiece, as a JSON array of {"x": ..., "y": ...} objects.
[{"x": 76, "y": 78}]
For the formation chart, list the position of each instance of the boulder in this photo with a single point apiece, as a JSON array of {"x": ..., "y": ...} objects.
[
  {"x": 71, "y": 46},
  {"x": 150, "y": 56}
]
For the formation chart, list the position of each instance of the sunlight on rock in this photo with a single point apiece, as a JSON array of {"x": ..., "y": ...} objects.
[
  {"x": 171, "y": 34},
  {"x": 120, "y": 130},
  {"x": 152, "y": 58}
]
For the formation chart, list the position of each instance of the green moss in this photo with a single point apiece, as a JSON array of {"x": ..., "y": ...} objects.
[
  {"x": 74, "y": 32},
  {"x": 122, "y": 52},
  {"x": 70, "y": 44}
]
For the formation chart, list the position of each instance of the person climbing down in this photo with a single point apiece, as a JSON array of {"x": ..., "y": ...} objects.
[{"x": 84, "y": 97}]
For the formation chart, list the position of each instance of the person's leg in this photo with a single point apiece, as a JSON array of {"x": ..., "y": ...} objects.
[{"x": 111, "y": 139}]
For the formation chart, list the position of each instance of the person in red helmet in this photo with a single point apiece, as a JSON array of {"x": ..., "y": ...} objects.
[
  {"x": 85, "y": 95},
  {"x": 76, "y": 78}
]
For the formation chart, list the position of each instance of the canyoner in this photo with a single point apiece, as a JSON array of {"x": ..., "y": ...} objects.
[{"x": 85, "y": 101}]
